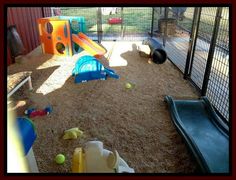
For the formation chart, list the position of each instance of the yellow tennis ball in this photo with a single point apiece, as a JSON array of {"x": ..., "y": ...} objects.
[
  {"x": 128, "y": 85},
  {"x": 60, "y": 159}
]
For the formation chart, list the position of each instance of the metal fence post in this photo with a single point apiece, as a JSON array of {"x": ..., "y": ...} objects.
[
  {"x": 211, "y": 51},
  {"x": 99, "y": 24},
  {"x": 43, "y": 14},
  {"x": 192, "y": 42},
  {"x": 165, "y": 32},
  {"x": 152, "y": 22},
  {"x": 122, "y": 25}
]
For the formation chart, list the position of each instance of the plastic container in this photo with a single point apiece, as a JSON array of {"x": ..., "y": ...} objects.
[
  {"x": 27, "y": 133},
  {"x": 114, "y": 20}
]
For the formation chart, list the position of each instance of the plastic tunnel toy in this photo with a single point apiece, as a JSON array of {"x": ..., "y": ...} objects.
[
  {"x": 204, "y": 132},
  {"x": 158, "y": 54},
  {"x": 89, "y": 68}
]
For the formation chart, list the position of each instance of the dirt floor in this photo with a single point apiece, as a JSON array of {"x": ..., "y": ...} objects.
[{"x": 136, "y": 122}]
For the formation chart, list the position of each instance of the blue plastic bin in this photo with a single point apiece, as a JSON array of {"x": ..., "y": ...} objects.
[{"x": 27, "y": 133}]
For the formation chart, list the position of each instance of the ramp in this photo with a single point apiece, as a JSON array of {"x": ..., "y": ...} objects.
[{"x": 88, "y": 45}]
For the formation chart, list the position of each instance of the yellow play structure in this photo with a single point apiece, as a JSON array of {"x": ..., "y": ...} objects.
[{"x": 93, "y": 158}]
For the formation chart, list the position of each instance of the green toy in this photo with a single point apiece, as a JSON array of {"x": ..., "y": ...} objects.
[{"x": 60, "y": 159}]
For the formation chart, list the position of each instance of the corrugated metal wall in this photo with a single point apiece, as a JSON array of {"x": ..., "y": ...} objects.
[{"x": 25, "y": 19}]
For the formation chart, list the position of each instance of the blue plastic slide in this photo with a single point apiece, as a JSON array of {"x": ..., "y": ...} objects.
[{"x": 205, "y": 133}]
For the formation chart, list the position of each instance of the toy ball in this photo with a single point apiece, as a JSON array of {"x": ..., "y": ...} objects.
[
  {"x": 60, "y": 159},
  {"x": 128, "y": 85}
]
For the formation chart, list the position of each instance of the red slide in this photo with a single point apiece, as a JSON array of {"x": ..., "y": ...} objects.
[{"x": 88, "y": 45}]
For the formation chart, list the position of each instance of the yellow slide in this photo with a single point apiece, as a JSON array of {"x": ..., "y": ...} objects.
[{"x": 88, "y": 45}]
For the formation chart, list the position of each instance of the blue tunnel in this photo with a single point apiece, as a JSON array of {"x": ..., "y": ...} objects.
[{"x": 89, "y": 68}]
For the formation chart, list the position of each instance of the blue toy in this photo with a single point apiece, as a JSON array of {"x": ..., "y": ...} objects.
[
  {"x": 27, "y": 132},
  {"x": 89, "y": 68}
]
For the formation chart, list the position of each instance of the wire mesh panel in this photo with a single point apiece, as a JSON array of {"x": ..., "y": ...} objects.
[
  {"x": 112, "y": 23},
  {"x": 90, "y": 15},
  {"x": 137, "y": 22},
  {"x": 218, "y": 85},
  {"x": 158, "y": 14},
  {"x": 126, "y": 23},
  {"x": 179, "y": 23},
  {"x": 206, "y": 26}
]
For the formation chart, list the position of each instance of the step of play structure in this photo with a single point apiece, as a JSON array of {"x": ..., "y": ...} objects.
[{"x": 89, "y": 68}]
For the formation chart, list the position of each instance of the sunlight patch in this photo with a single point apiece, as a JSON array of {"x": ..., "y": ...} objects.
[{"x": 56, "y": 80}]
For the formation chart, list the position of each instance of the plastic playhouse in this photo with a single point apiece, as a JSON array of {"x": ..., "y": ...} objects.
[{"x": 64, "y": 35}]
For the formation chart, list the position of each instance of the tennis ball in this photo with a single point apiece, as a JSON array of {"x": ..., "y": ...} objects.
[
  {"x": 60, "y": 159},
  {"x": 128, "y": 85}
]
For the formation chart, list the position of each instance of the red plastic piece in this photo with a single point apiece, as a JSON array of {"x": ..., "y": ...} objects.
[
  {"x": 114, "y": 20},
  {"x": 38, "y": 113}
]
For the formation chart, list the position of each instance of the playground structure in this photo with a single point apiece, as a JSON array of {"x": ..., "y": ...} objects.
[
  {"x": 62, "y": 35},
  {"x": 93, "y": 158}
]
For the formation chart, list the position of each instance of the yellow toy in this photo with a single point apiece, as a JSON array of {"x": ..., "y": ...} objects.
[
  {"x": 128, "y": 86},
  {"x": 72, "y": 133}
]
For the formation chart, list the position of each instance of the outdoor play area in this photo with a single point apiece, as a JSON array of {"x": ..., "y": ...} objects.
[{"x": 118, "y": 90}]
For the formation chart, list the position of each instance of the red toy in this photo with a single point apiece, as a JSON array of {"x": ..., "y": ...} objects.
[
  {"x": 114, "y": 20},
  {"x": 32, "y": 112}
]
